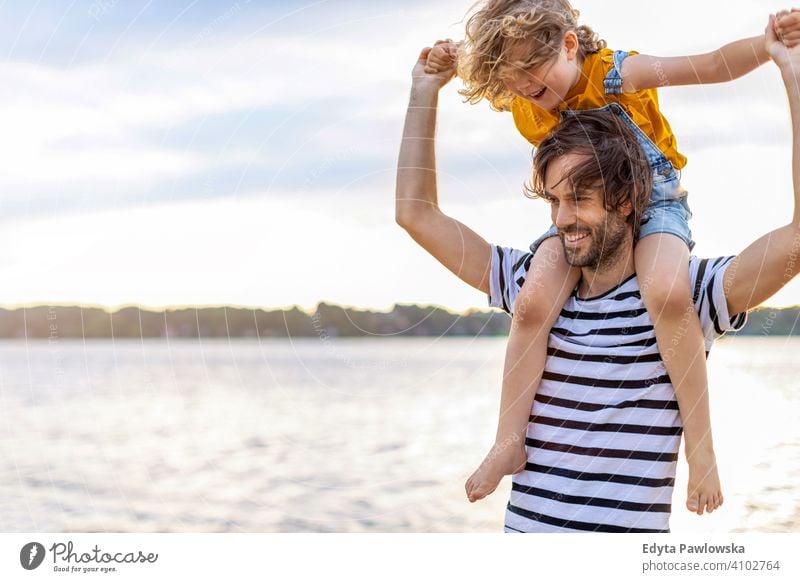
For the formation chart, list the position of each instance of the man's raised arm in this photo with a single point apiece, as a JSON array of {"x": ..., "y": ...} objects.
[
  {"x": 454, "y": 245},
  {"x": 768, "y": 264}
]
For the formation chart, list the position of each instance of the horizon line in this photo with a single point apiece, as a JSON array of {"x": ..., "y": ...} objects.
[{"x": 309, "y": 311}]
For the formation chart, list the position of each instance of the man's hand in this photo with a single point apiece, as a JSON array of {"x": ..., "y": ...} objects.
[
  {"x": 436, "y": 77},
  {"x": 782, "y": 38},
  {"x": 787, "y": 27}
]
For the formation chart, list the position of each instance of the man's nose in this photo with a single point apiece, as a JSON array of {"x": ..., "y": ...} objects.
[{"x": 563, "y": 216}]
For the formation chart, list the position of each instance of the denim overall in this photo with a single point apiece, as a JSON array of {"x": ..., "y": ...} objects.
[{"x": 668, "y": 211}]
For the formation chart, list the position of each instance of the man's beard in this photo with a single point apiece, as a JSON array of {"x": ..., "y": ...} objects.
[{"x": 606, "y": 243}]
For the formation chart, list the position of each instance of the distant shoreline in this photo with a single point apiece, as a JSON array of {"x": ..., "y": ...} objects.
[{"x": 327, "y": 321}]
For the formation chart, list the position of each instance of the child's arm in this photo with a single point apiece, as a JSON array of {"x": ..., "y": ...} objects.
[{"x": 640, "y": 72}]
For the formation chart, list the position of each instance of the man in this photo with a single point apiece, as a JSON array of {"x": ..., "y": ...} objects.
[{"x": 605, "y": 428}]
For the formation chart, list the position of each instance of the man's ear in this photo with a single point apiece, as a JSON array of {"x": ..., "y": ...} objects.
[{"x": 626, "y": 208}]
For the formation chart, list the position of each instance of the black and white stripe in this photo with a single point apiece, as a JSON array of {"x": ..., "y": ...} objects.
[{"x": 605, "y": 427}]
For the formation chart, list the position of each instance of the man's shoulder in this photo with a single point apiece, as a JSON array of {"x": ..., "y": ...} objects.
[
  {"x": 705, "y": 269},
  {"x": 510, "y": 269},
  {"x": 707, "y": 276}
]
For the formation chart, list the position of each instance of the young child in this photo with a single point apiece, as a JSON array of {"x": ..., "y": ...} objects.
[{"x": 531, "y": 57}]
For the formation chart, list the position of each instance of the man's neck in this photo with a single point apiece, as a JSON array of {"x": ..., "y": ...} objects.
[{"x": 595, "y": 282}]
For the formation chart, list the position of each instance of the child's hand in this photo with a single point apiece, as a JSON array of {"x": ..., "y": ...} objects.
[
  {"x": 443, "y": 56},
  {"x": 787, "y": 27}
]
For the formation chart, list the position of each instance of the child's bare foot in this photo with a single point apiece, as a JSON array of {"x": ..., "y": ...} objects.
[
  {"x": 505, "y": 458},
  {"x": 704, "y": 492}
]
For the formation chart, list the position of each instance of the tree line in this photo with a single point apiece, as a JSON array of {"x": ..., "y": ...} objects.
[{"x": 54, "y": 322}]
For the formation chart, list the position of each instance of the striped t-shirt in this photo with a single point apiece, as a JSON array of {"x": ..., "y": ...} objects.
[{"x": 605, "y": 428}]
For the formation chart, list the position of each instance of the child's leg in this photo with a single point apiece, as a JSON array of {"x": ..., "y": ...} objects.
[
  {"x": 662, "y": 267},
  {"x": 549, "y": 283}
]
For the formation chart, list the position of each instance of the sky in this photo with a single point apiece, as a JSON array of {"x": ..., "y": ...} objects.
[{"x": 243, "y": 153}]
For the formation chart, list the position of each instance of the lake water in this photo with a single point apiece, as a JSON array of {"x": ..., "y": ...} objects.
[{"x": 326, "y": 435}]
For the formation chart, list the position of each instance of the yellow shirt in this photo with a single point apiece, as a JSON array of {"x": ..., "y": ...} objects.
[{"x": 536, "y": 123}]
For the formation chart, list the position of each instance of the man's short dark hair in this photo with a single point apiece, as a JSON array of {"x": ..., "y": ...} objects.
[{"x": 614, "y": 161}]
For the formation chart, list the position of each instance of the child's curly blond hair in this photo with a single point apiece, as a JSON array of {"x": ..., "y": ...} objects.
[{"x": 498, "y": 26}]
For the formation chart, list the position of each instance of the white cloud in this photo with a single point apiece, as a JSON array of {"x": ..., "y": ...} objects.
[
  {"x": 102, "y": 127},
  {"x": 97, "y": 120}
]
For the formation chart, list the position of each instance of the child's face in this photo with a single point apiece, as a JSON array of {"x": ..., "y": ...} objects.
[{"x": 545, "y": 85}]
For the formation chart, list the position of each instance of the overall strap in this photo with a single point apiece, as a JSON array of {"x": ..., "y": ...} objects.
[{"x": 613, "y": 81}]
